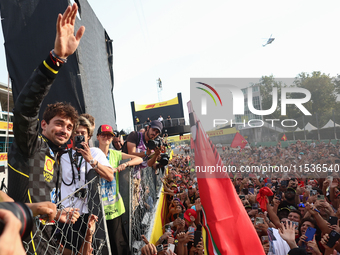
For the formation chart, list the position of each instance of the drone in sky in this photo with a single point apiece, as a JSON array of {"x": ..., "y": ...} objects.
[{"x": 270, "y": 40}]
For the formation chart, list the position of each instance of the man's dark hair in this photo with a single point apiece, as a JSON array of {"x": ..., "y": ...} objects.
[
  {"x": 297, "y": 212},
  {"x": 62, "y": 109}
]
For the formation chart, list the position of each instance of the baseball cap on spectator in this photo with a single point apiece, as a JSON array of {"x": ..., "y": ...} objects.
[
  {"x": 105, "y": 128},
  {"x": 157, "y": 124},
  {"x": 283, "y": 209},
  {"x": 116, "y": 133},
  {"x": 290, "y": 189},
  {"x": 188, "y": 213},
  {"x": 174, "y": 185}
]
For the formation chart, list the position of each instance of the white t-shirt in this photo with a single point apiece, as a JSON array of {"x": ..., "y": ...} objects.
[
  {"x": 67, "y": 177},
  {"x": 280, "y": 246}
]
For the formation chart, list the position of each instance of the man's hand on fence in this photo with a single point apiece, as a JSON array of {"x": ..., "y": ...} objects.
[
  {"x": 43, "y": 209},
  {"x": 68, "y": 215},
  {"x": 122, "y": 167},
  {"x": 91, "y": 225}
]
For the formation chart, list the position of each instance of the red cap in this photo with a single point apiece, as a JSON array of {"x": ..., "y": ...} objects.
[
  {"x": 105, "y": 128},
  {"x": 188, "y": 213}
]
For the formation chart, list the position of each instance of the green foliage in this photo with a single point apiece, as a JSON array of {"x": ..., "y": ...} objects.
[{"x": 322, "y": 87}]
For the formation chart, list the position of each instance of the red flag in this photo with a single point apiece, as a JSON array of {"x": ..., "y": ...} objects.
[
  {"x": 192, "y": 145},
  {"x": 284, "y": 137},
  {"x": 225, "y": 220},
  {"x": 239, "y": 141}
]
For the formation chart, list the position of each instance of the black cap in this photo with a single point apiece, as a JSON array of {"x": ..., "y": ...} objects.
[
  {"x": 157, "y": 124},
  {"x": 116, "y": 133},
  {"x": 291, "y": 189}
]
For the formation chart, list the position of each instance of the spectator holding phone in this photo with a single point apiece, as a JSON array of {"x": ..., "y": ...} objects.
[{"x": 76, "y": 164}]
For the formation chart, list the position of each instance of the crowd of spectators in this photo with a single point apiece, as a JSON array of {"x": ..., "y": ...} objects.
[{"x": 301, "y": 208}]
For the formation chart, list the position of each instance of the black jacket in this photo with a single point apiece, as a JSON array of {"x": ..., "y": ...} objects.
[
  {"x": 33, "y": 168},
  {"x": 32, "y": 160}
]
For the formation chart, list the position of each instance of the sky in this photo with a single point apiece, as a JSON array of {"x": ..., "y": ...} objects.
[{"x": 179, "y": 40}]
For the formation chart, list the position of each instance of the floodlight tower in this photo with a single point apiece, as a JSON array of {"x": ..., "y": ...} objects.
[{"x": 159, "y": 89}]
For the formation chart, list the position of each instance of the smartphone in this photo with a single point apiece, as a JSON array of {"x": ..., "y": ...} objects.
[
  {"x": 159, "y": 247},
  {"x": 309, "y": 187},
  {"x": 254, "y": 206},
  {"x": 197, "y": 237},
  {"x": 191, "y": 230},
  {"x": 264, "y": 239},
  {"x": 181, "y": 215},
  {"x": 284, "y": 183},
  {"x": 186, "y": 190},
  {"x": 259, "y": 220},
  {"x": 333, "y": 237},
  {"x": 171, "y": 247},
  {"x": 313, "y": 192},
  {"x": 251, "y": 190},
  {"x": 269, "y": 181},
  {"x": 242, "y": 197},
  {"x": 310, "y": 234},
  {"x": 333, "y": 220},
  {"x": 321, "y": 197},
  {"x": 279, "y": 195},
  {"x": 245, "y": 191},
  {"x": 330, "y": 178},
  {"x": 168, "y": 228},
  {"x": 296, "y": 224}
]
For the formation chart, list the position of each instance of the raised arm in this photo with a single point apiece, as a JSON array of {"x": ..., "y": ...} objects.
[{"x": 27, "y": 105}]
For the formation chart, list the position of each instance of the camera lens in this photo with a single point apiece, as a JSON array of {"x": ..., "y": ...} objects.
[
  {"x": 164, "y": 159},
  {"x": 23, "y": 213},
  {"x": 151, "y": 144}
]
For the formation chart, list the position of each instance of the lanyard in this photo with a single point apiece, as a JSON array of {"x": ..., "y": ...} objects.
[
  {"x": 78, "y": 166},
  {"x": 72, "y": 162}
]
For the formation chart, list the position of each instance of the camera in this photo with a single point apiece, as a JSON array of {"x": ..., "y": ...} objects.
[
  {"x": 156, "y": 143},
  {"x": 164, "y": 159},
  {"x": 23, "y": 213},
  {"x": 77, "y": 143},
  {"x": 159, "y": 247},
  {"x": 80, "y": 193}
]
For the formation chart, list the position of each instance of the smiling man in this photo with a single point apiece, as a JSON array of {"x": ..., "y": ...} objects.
[{"x": 33, "y": 169}]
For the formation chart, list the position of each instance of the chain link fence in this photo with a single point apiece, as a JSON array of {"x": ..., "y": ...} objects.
[
  {"x": 144, "y": 194},
  {"x": 56, "y": 237}
]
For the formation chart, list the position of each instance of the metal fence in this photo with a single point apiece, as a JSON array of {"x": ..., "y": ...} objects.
[
  {"x": 144, "y": 194},
  {"x": 51, "y": 237}
]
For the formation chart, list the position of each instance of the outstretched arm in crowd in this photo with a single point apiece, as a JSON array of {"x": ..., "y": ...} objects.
[
  {"x": 273, "y": 217},
  {"x": 322, "y": 224},
  {"x": 86, "y": 247},
  {"x": 287, "y": 232}
]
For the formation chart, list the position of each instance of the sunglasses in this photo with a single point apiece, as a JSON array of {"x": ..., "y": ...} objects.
[{"x": 302, "y": 205}]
